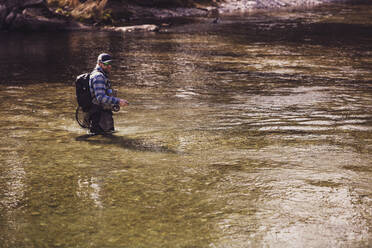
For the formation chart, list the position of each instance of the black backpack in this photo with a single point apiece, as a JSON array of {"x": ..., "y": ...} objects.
[{"x": 83, "y": 96}]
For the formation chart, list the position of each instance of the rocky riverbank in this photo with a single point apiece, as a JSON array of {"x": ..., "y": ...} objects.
[
  {"x": 237, "y": 6},
  {"x": 85, "y": 14},
  {"x": 33, "y": 15}
]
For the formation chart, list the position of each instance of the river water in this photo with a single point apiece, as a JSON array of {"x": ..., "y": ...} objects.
[{"x": 253, "y": 132}]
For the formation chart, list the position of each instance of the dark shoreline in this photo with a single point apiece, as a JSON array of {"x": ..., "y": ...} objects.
[{"x": 36, "y": 15}]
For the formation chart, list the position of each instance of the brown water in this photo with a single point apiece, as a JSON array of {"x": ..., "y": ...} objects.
[{"x": 255, "y": 132}]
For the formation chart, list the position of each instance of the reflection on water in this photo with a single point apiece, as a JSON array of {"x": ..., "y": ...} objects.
[{"x": 251, "y": 133}]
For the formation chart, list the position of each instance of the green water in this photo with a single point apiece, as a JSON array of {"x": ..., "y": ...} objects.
[{"x": 255, "y": 132}]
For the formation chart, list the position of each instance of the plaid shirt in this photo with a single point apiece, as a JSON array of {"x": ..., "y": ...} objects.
[{"x": 100, "y": 88}]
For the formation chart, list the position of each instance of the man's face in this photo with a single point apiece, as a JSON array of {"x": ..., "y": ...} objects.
[{"x": 106, "y": 67}]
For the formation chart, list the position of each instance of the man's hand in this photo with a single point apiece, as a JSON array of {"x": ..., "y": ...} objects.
[{"x": 123, "y": 102}]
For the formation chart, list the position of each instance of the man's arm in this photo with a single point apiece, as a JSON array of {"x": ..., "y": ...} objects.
[{"x": 99, "y": 87}]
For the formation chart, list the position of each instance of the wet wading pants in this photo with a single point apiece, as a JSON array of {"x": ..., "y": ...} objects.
[{"x": 101, "y": 119}]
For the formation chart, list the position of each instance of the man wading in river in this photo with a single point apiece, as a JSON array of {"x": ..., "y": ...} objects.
[{"x": 104, "y": 98}]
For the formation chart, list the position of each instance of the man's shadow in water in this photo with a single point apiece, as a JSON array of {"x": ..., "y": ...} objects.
[{"x": 126, "y": 143}]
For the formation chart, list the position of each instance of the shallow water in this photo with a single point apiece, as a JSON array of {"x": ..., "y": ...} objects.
[{"x": 255, "y": 132}]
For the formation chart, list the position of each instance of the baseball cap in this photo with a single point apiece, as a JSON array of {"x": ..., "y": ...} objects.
[{"x": 104, "y": 58}]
